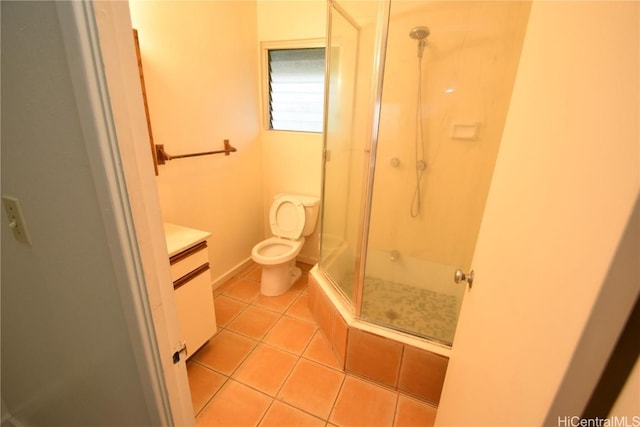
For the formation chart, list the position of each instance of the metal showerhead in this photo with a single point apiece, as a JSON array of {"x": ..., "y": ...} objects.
[{"x": 419, "y": 33}]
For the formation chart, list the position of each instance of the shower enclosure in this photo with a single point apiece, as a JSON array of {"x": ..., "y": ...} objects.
[{"x": 417, "y": 97}]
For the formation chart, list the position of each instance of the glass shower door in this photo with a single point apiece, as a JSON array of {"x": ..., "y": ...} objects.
[
  {"x": 344, "y": 155},
  {"x": 448, "y": 74}
]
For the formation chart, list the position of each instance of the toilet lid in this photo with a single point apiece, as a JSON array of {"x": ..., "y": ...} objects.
[{"x": 287, "y": 217}]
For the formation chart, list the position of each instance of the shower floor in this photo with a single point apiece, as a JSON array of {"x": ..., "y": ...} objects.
[{"x": 416, "y": 311}]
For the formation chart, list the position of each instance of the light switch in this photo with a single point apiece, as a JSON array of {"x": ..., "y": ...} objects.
[{"x": 16, "y": 219}]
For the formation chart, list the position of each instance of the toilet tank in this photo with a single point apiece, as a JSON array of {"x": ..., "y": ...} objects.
[{"x": 311, "y": 211}]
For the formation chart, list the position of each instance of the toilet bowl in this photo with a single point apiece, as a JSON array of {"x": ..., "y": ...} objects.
[
  {"x": 276, "y": 250},
  {"x": 277, "y": 256},
  {"x": 291, "y": 217}
]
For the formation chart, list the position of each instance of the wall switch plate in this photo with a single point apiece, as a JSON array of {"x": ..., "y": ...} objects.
[{"x": 16, "y": 219}]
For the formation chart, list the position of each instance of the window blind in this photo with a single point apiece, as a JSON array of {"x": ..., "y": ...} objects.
[{"x": 296, "y": 89}]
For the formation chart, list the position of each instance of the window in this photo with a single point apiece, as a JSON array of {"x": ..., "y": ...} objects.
[{"x": 295, "y": 94}]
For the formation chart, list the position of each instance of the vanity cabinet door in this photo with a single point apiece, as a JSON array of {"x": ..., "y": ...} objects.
[{"x": 196, "y": 315}]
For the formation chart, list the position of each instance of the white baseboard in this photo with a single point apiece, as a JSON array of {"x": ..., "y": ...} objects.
[{"x": 231, "y": 272}]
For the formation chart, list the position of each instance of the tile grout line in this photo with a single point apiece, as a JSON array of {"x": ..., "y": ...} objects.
[
  {"x": 335, "y": 400},
  {"x": 299, "y": 357},
  {"x": 202, "y": 364},
  {"x": 236, "y": 315},
  {"x": 260, "y": 341},
  {"x": 280, "y": 399},
  {"x": 227, "y": 376},
  {"x": 395, "y": 409},
  {"x": 281, "y": 314},
  {"x": 318, "y": 331},
  {"x": 266, "y": 411},
  {"x": 277, "y": 392},
  {"x": 212, "y": 397}
]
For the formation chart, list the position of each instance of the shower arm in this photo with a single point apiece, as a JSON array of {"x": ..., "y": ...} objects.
[{"x": 162, "y": 156}]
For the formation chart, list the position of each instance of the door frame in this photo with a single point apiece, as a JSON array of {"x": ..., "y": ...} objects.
[{"x": 98, "y": 38}]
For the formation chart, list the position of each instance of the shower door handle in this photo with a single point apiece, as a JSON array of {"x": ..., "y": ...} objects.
[{"x": 459, "y": 276}]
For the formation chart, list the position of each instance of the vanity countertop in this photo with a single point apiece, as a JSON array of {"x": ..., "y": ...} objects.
[{"x": 180, "y": 238}]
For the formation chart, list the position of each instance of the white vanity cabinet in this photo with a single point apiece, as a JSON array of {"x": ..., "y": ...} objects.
[{"x": 189, "y": 260}]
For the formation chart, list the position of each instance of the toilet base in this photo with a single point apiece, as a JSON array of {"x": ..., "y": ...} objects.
[{"x": 277, "y": 279}]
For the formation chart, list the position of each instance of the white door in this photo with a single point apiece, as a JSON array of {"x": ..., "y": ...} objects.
[
  {"x": 125, "y": 97},
  {"x": 535, "y": 331}
]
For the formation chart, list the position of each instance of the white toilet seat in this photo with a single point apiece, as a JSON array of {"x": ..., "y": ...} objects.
[
  {"x": 276, "y": 250},
  {"x": 287, "y": 217}
]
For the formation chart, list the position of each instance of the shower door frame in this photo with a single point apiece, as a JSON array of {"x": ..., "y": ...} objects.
[
  {"x": 371, "y": 142},
  {"x": 331, "y": 6},
  {"x": 380, "y": 49}
]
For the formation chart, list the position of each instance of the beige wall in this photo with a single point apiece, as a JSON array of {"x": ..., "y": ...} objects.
[
  {"x": 202, "y": 70},
  {"x": 291, "y": 161},
  {"x": 200, "y": 66}
]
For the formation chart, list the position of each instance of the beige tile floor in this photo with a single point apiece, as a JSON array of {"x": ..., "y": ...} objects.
[{"x": 269, "y": 365}]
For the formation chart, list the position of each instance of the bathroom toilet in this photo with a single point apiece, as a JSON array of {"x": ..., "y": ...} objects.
[{"x": 291, "y": 217}]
